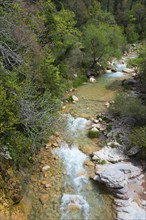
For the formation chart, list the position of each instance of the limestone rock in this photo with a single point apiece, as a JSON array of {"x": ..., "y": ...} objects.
[
  {"x": 75, "y": 98},
  {"x": 94, "y": 129},
  {"x": 92, "y": 79},
  {"x": 128, "y": 70}
]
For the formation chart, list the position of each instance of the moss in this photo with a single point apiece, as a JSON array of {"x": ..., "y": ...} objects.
[
  {"x": 93, "y": 134},
  {"x": 100, "y": 161}
]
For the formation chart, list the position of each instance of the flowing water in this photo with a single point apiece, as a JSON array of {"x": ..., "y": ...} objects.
[
  {"x": 73, "y": 196},
  {"x": 81, "y": 200}
]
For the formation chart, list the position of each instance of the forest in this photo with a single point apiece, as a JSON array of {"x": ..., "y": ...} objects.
[{"x": 46, "y": 48}]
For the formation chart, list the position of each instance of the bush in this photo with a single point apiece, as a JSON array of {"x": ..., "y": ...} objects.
[
  {"x": 100, "y": 161},
  {"x": 93, "y": 134},
  {"x": 79, "y": 80},
  {"x": 138, "y": 137},
  {"x": 130, "y": 107}
]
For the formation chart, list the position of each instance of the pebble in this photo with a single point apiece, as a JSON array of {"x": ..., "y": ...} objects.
[{"x": 45, "y": 168}]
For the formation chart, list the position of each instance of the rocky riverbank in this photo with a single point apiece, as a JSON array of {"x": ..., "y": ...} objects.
[{"x": 115, "y": 169}]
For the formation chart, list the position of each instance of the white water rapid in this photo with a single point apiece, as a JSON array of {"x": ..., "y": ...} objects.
[
  {"x": 80, "y": 199},
  {"x": 119, "y": 73}
]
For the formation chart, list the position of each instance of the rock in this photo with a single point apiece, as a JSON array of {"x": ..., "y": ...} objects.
[
  {"x": 113, "y": 144},
  {"x": 129, "y": 82},
  {"x": 131, "y": 212},
  {"x": 128, "y": 70},
  {"x": 75, "y": 98},
  {"x": 95, "y": 121},
  {"x": 100, "y": 119},
  {"x": 44, "y": 198},
  {"x": 73, "y": 208},
  {"x": 134, "y": 74},
  {"x": 133, "y": 151},
  {"x": 47, "y": 185},
  {"x": 92, "y": 79},
  {"x": 113, "y": 178},
  {"x": 114, "y": 69},
  {"x": 110, "y": 154},
  {"x": 107, "y": 104},
  {"x": 89, "y": 163},
  {"x": 45, "y": 168},
  {"x": 94, "y": 129},
  {"x": 55, "y": 144}
]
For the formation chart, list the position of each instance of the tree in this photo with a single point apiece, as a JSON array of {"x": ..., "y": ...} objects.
[{"x": 101, "y": 42}]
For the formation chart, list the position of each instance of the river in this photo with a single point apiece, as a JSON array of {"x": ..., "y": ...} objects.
[{"x": 72, "y": 195}]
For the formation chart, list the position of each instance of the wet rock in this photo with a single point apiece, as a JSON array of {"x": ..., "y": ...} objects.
[
  {"x": 73, "y": 208},
  {"x": 128, "y": 70},
  {"x": 114, "y": 69},
  {"x": 89, "y": 163}
]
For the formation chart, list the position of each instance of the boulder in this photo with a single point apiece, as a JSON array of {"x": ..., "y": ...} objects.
[
  {"x": 128, "y": 70},
  {"x": 133, "y": 151},
  {"x": 94, "y": 129},
  {"x": 129, "y": 82},
  {"x": 92, "y": 79},
  {"x": 75, "y": 98},
  {"x": 113, "y": 178}
]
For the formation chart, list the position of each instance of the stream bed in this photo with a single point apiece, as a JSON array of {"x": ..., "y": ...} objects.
[{"x": 72, "y": 195}]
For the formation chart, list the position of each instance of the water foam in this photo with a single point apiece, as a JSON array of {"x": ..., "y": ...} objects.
[
  {"x": 73, "y": 160},
  {"x": 73, "y": 206}
]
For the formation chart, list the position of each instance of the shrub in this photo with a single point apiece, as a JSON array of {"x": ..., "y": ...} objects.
[
  {"x": 100, "y": 161},
  {"x": 79, "y": 80},
  {"x": 93, "y": 134},
  {"x": 129, "y": 106},
  {"x": 69, "y": 99},
  {"x": 138, "y": 137}
]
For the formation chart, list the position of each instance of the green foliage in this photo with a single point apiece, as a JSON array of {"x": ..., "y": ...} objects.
[
  {"x": 130, "y": 107},
  {"x": 138, "y": 137},
  {"x": 93, "y": 134},
  {"x": 79, "y": 80},
  {"x": 100, "y": 44},
  {"x": 100, "y": 161},
  {"x": 69, "y": 99}
]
